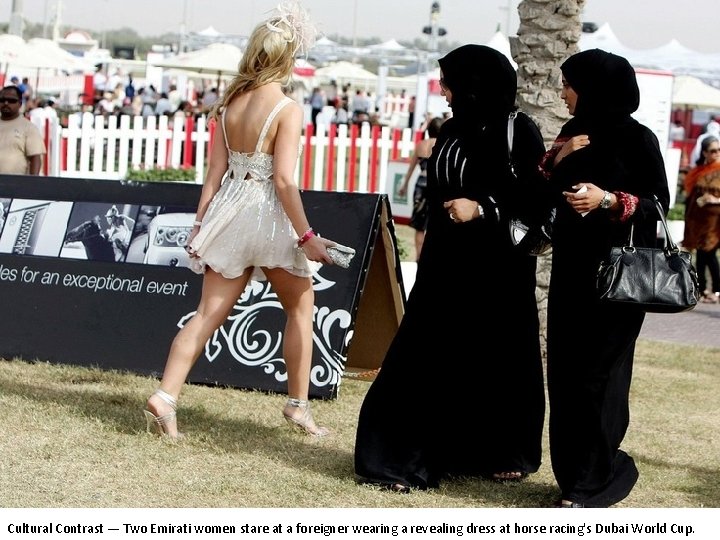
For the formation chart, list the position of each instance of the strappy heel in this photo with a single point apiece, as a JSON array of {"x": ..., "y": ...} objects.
[
  {"x": 160, "y": 424},
  {"x": 303, "y": 422}
]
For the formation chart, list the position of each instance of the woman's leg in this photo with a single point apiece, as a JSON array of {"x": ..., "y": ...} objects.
[
  {"x": 419, "y": 239},
  {"x": 298, "y": 301},
  {"x": 218, "y": 297},
  {"x": 714, "y": 268},
  {"x": 701, "y": 266}
]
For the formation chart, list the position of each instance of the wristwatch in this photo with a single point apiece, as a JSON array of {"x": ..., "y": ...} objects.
[
  {"x": 606, "y": 201},
  {"x": 481, "y": 212}
]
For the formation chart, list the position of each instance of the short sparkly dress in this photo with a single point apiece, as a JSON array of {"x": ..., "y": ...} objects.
[{"x": 245, "y": 224}]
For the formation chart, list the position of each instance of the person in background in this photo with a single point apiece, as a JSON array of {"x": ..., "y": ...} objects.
[
  {"x": 163, "y": 105},
  {"x": 130, "y": 89},
  {"x": 50, "y": 110},
  {"x": 419, "y": 158},
  {"x": 420, "y": 419},
  {"x": 36, "y": 114},
  {"x": 677, "y": 132},
  {"x": 250, "y": 219},
  {"x": 175, "y": 97},
  {"x": 341, "y": 114},
  {"x": 119, "y": 231},
  {"x": 27, "y": 89},
  {"x": 711, "y": 130},
  {"x": 590, "y": 344},
  {"x": 702, "y": 217},
  {"x": 317, "y": 101},
  {"x": 411, "y": 111},
  {"x": 21, "y": 145},
  {"x": 209, "y": 98}
]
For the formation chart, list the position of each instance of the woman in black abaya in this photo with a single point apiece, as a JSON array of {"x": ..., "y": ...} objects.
[
  {"x": 454, "y": 396},
  {"x": 591, "y": 345}
]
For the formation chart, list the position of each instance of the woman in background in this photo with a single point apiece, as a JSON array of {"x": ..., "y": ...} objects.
[
  {"x": 419, "y": 158},
  {"x": 702, "y": 217}
]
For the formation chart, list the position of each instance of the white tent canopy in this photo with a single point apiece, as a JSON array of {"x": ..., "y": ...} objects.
[
  {"x": 390, "y": 45},
  {"x": 500, "y": 43},
  {"x": 691, "y": 92},
  {"x": 216, "y": 58},
  {"x": 15, "y": 52},
  {"x": 64, "y": 60},
  {"x": 346, "y": 72},
  {"x": 673, "y": 56}
]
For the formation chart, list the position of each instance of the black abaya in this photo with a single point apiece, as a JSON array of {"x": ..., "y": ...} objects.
[
  {"x": 591, "y": 345},
  {"x": 453, "y": 396}
]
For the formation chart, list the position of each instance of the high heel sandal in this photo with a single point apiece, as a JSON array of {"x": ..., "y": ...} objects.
[
  {"x": 159, "y": 424},
  {"x": 304, "y": 422}
]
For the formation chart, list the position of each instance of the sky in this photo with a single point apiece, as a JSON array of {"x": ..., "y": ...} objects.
[{"x": 637, "y": 24}]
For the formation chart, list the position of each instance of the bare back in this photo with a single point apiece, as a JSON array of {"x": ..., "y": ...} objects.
[{"x": 246, "y": 115}]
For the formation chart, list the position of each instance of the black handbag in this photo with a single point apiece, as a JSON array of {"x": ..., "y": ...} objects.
[
  {"x": 533, "y": 239},
  {"x": 655, "y": 280}
]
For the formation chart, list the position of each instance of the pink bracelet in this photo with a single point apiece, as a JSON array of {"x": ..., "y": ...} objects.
[{"x": 307, "y": 235}]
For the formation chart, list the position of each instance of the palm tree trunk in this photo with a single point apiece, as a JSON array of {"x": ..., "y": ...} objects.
[{"x": 549, "y": 33}]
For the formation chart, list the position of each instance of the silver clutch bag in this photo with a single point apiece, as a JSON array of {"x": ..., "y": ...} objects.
[{"x": 341, "y": 255}]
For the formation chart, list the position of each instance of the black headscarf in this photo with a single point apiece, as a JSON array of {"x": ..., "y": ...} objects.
[
  {"x": 606, "y": 86},
  {"x": 483, "y": 85}
]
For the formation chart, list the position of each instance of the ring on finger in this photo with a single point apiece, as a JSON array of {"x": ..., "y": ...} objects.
[{"x": 452, "y": 216}]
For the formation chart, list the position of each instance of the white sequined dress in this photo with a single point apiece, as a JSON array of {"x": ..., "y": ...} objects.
[{"x": 245, "y": 224}]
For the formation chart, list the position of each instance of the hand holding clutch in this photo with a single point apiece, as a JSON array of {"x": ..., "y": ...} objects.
[{"x": 341, "y": 255}]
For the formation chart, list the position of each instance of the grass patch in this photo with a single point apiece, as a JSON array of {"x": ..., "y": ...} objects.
[{"x": 74, "y": 437}]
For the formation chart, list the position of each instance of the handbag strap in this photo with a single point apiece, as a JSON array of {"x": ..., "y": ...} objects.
[
  {"x": 670, "y": 245},
  {"x": 510, "y": 138}
]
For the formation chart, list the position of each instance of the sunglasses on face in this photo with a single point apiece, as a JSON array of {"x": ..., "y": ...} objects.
[
  {"x": 713, "y": 150},
  {"x": 12, "y": 100}
]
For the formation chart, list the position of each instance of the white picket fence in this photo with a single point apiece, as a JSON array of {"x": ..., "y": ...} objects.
[{"x": 340, "y": 158}]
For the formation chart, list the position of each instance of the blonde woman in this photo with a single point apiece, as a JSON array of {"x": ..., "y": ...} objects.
[{"x": 250, "y": 219}]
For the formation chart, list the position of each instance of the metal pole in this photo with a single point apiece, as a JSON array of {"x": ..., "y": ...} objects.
[{"x": 16, "y": 21}]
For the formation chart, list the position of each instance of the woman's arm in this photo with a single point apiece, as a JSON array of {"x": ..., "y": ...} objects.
[
  {"x": 284, "y": 163},
  {"x": 217, "y": 166},
  {"x": 414, "y": 159}
]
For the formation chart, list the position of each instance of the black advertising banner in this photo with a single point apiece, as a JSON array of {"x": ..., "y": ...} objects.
[{"x": 94, "y": 273}]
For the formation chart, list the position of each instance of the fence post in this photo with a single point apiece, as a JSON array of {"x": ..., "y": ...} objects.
[
  {"x": 353, "y": 157},
  {"x": 307, "y": 156},
  {"x": 330, "y": 181},
  {"x": 188, "y": 147}
]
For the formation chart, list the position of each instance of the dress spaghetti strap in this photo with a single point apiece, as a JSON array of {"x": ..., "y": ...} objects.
[{"x": 268, "y": 121}]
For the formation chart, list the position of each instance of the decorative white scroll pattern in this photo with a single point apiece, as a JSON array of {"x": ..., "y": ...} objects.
[{"x": 254, "y": 346}]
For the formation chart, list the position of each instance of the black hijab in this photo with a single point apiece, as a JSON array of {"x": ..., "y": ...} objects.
[
  {"x": 607, "y": 91},
  {"x": 483, "y": 85}
]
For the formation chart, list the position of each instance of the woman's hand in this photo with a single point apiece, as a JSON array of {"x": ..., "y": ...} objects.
[
  {"x": 574, "y": 143},
  {"x": 462, "y": 210},
  {"x": 402, "y": 190},
  {"x": 191, "y": 236},
  {"x": 706, "y": 198},
  {"x": 585, "y": 200},
  {"x": 315, "y": 249}
]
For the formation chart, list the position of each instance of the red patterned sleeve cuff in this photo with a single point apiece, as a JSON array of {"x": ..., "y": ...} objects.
[
  {"x": 628, "y": 204},
  {"x": 548, "y": 160}
]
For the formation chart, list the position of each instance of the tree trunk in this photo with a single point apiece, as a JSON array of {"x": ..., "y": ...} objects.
[{"x": 548, "y": 34}]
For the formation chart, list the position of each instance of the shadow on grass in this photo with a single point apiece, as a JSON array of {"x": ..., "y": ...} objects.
[{"x": 121, "y": 411}]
